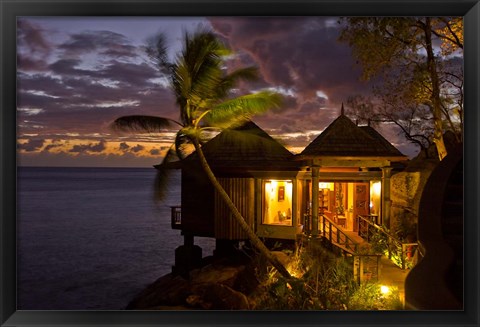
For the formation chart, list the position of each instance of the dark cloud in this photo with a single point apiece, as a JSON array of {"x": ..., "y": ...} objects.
[
  {"x": 92, "y": 147},
  {"x": 69, "y": 67},
  {"x": 301, "y": 53},
  {"x": 106, "y": 42},
  {"x": 33, "y": 48},
  {"x": 130, "y": 73},
  {"x": 52, "y": 146},
  {"x": 154, "y": 152},
  {"x": 137, "y": 148},
  {"x": 124, "y": 146},
  {"x": 286, "y": 128},
  {"x": 31, "y": 145}
]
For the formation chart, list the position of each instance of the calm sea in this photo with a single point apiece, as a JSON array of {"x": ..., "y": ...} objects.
[{"x": 92, "y": 238}]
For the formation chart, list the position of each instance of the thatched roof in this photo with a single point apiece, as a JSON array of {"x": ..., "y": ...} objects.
[
  {"x": 246, "y": 147},
  {"x": 343, "y": 138}
]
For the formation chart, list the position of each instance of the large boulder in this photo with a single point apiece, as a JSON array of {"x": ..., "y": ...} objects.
[
  {"x": 217, "y": 286},
  {"x": 213, "y": 296},
  {"x": 169, "y": 290}
]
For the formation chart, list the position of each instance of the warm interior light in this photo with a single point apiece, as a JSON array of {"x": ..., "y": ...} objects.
[
  {"x": 324, "y": 185},
  {"x": 277, "y": 205},
  {"x": 273, "y": 187},
  {"x": 377, "y": 187}
]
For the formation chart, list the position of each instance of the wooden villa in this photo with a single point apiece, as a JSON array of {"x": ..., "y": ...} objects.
[
  {"x": 343, "y": 174},
  {"x": 246, "y": 161},
  {"x": 348, "y": 169}
]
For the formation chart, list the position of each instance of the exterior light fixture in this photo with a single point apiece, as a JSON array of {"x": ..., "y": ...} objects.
[{"x": 384, "y": 290}]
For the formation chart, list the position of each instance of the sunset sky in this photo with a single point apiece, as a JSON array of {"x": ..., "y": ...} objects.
[{"x": 76, "y": 75}]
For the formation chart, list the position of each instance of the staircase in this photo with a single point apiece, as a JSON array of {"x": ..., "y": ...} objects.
[
  {"x": 335, "y": 235},
  {"x": 366, "y": 266}
]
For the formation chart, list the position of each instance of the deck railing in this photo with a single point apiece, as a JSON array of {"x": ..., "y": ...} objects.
[
  {"x": 335, "y": 234},
  {"x": 397, "y": 251},
  {"x": 176, "y": 217},
  {"x": 366, "y": 266}
]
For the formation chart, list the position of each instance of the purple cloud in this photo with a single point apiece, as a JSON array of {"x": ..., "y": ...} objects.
[
  {"x": 124, "y": 146},
  {"x": 31, "y": 145},
  {"x": 92, "y": 147},
  {"x": 106, "y": 42},
  {"x": 301, "y": 53},
  {"x": 137, "y": 148},
  {"x": 33, "y": 47}
]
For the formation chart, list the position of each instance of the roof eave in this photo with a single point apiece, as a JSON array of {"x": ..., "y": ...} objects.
[{"x": 301, "y": 157}]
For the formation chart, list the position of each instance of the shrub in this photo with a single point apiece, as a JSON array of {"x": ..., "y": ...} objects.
[{"x": 323, "y": 281}]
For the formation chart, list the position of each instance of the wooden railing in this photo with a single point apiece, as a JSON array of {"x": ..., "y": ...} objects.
[
  {"x": 176, "y": 217},
  {"x": 400, "y": 253},
  {"x": 335, "y": 235},
  {"x": 366, "y": 266}
]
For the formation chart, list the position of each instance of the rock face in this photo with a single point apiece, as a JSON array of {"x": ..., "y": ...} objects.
[
  {"x": 220, "y": 285},
  {"x": 406, "y": 191}
]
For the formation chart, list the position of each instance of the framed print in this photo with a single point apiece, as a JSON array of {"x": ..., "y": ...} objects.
[
  {"x": 162, "y": 162},
  {"x": 281, "y": 193}
]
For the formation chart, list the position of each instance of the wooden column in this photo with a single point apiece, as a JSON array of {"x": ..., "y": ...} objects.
[
  {"x": 315, "y": 171},
  {"x": 386, "y": 202}
]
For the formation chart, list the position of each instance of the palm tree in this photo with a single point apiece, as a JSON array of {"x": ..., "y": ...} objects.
[{"x": 202, "y": 89}]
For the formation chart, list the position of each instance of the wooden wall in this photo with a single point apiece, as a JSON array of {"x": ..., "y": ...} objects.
[
  {"x": 242, "y": 193},
  {"x": 197, "y": 204}
]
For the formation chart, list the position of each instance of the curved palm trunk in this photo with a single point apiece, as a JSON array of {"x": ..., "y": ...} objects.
[{"x": 238, "y": 216}]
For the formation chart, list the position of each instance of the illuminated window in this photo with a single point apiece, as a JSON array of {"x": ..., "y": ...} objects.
[{"x": 277, "y": 202}]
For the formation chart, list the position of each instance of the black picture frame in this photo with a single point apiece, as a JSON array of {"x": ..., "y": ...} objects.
[{"x": 10, "y": 9}]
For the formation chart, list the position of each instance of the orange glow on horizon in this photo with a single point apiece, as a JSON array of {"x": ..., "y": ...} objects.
[{"x": 95, "y": 147}]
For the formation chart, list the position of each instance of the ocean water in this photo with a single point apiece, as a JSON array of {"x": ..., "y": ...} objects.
[{"x": 92, "y": 238}]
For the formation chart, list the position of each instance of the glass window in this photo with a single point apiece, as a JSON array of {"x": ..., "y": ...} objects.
[{"x": 277, "y": 202}]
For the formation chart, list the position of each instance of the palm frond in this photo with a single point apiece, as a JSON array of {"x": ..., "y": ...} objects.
[
  {"x": 156, "y": 49},
  {"x": 198, "y": 72},
  {"x": 238, "y": 110},
  {"x": 181, "y": 141},
  {"x": 231, "y": 80},
  {"x": 138, "y": 123}
]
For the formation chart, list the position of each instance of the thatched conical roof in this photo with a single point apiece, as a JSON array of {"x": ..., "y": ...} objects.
[{"x": 343, "y": 138}]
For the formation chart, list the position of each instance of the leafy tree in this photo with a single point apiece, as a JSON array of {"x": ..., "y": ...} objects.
[
  {"x": 202, "y": 89},
  {"x": 414, "y": 77}
]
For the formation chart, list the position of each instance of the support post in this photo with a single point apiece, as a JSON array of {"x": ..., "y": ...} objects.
[
  {"x": 315, "y": 171},
  {"x": 386, "y": 202}
]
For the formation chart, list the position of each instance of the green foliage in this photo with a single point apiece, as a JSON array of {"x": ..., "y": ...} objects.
[
  {"x": 391, "y": 247},
  {"x": 324, "y": 282},
  {"x": 369, "y": 296},
  {"x": 418, "y": 88},
  {"x": 406, "y": 229}
]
